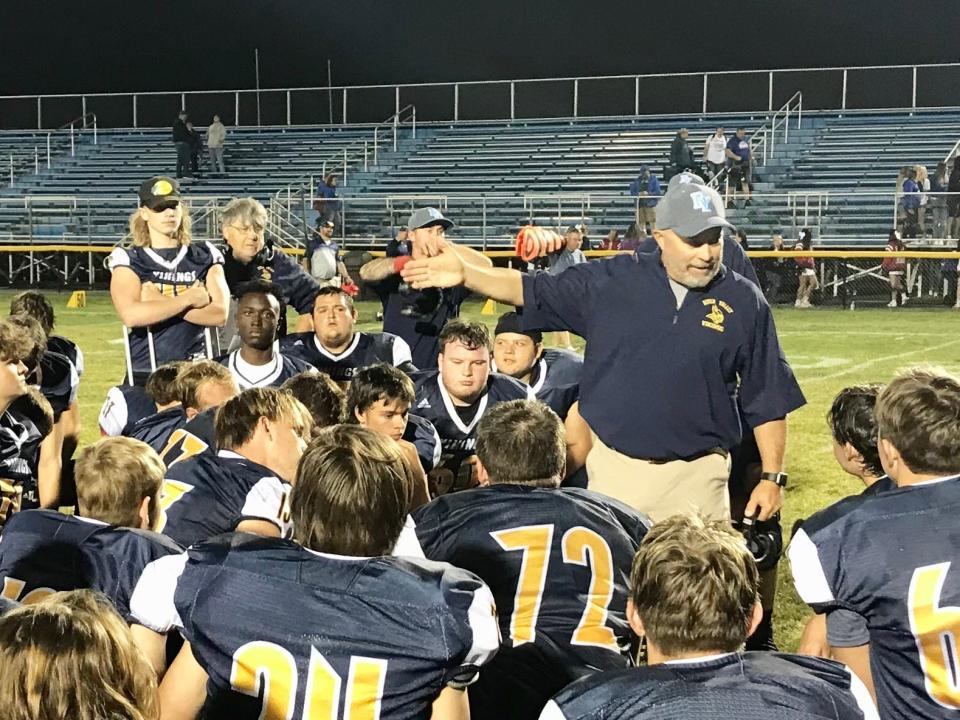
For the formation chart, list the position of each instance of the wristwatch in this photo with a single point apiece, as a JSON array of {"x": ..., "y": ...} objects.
[{"x": 780, "y": 478}]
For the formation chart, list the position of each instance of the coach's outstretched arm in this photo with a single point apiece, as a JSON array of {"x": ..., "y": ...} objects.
[{"x": 454, "y": 266}]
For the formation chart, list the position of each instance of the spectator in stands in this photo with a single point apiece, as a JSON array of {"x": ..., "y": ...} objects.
[
  {"x": 328, "y": 203},
  {"x": 248, "y": 255},
  {"x": 216, "y": 136},
  {"x": 681, "y": 155},
  {"x": 738, "y": 166},
  {"x": 632, "y": 237},
  {"x": 71, "y": 655},
  {"x": 693, "y": 597},
  {"x": 808, "y": 270},
  {"x": 910, "y": 202},
  {"x": 611, "y": 241},
  {"x": 773, "y": 270},
  {"x": 181, "y": 141},
  {"x": 938, "y": 202},
  {"x": 568, "y": 256},
  {"x": 646, "y": 188},
  {"x": 741, "y": 237},
  {"x": 895, "y": 267},
  {"x": 953, "y": 201},
  {"x": 923, "y": 183},
  {"x": 196, "y": 146},
  {"x": 322, "y": 259},
  {"x": 949, "y": 274},
  {"x": 713, "y": 152}
]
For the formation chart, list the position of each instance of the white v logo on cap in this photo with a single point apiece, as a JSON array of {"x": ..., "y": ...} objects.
[{"x": 701, "y": 201}]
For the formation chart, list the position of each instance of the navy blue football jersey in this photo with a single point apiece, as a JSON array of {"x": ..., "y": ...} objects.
[
  {"x": 67, "y": 347},
  {"x": 20, "y": 454},
  {"x": 155, "y": 430},
  {"x": 888, "y": 558},
  {"x": 556, "y": 379},
  {"x": 197, "y": 436},
  {"x": 424, "y": 437},
  {"x": 365, "y": 349},
  {"x": 173, "y": 271},
  {"x": 57, "y": 380},
  {"x": 745, "y": 686},
  {"x": 458, "y": 438},
  {"x": 274, "y": 374},
  {"x": 124, "y": 406},
  {"x": 558, "y": 563},
  {"x": 43, "y": 551},
  {"x": 210, "y": 494},
  {"x": 319, "y": 636}
]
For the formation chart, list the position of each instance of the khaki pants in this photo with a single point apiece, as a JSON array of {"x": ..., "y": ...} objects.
[{"x": 662, "y": 489}]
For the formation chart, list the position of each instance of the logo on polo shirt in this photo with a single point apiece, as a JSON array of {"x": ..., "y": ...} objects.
[{"x": 717, "y": 311}]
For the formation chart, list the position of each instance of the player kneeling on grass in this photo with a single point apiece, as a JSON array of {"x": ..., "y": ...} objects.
[
  {"x": 106, "y": 545},
  {"x": 881, "y": 565},
  {"x": 379, "y": 398},
  {"x": 693, "y": 596},
  {"x": 853, "y": 426},
  {"x": 557, "y": 561},
  {"x": 324, "y": 625},
  {"x": 71, "y": 656},
  {"x": 261, "y": 434}
]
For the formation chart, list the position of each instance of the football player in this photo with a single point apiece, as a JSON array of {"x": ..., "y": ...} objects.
[
  {"x": 165, "y": 288},
  {"x": 336, "y": 347},
  {"x": 557, "y": 561},
  {"x": 853, "y": 426},
  {"x": 886, "y": 559},
  {"x": 324, "y": 625},
  {"x": 15, "y": 431},
  {"x": 125, "y": 404},
  {"x": 261, "y": 434},
  {"x": 380, "y": 397},
  {"x": 456, "y": 396},
  {"x": 320, "y": 395},
  {"x": 693, "y": 597},
  {"x": 553, "y": 374},
  {"x": 200, "y": 385},
  {"x": 257, "y": 363},
  {"x": 106, "y": 545}
]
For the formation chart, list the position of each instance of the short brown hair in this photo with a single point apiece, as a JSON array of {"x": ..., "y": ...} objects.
[
  {"x": 34, "y": 334},
  {"x": 919, "y": 414},
  {"x": 195, "y": 374},
  {"x": 352, "y": 493},
  {"x": 522, "y": 441},
  {"x": 15, "y": 342},
  {"x": 322, "y": 397},
  {"x": 36, "y": 305},
  {"x": 472, "y": 335},
  {"x": 694, "y": 585},
  {"x": 113, "y": 477},
  {"x": 344, "y": 296},
  {"x": 237, "y": 418},
  {"x": 374, "y": 383},
  {"x": 71, "y": 655},
  {"x": 161, "y": 386}
]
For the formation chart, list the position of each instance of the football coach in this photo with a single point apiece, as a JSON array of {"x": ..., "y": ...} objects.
[{"x": 674, "y": 340}]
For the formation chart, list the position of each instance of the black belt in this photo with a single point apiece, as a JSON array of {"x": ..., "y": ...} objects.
[{"x": 688, "y": 458}]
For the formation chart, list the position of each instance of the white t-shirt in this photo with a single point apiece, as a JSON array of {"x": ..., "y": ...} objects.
[{"x": 715, "y": 147}]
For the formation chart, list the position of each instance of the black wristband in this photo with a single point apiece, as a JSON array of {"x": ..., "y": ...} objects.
[{"x": 780, "y": 478}]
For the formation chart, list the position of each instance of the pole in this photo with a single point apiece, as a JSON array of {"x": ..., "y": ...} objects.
[
  {"x": 256, "y": 64},
  {"x": 329, "y": 92}
]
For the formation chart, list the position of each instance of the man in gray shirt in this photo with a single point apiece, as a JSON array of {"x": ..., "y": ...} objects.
[{"x": 567, "y": 256}]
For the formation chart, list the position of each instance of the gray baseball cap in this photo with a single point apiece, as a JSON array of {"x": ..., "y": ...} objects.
[
  {"x": 422, "y": 217},
  {"x": 689, "y": 208},
  {"x": 684, "y": 178}
]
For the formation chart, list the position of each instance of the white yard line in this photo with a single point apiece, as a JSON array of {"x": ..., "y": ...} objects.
[{"x": 882, "y": 359}]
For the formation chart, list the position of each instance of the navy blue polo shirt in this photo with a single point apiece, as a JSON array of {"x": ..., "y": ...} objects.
[{"x": 658, "y": 381}]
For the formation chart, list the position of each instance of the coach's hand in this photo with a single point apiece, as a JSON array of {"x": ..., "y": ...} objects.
[
  {"x": 534, "y": 242},
  {"x": 767, "y": 498},
  {"x": 444, "y": 270},
  {"x": 427, "y": 245}
]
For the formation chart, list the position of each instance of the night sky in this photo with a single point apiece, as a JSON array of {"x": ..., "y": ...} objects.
[{"x": 63, "y": 47}]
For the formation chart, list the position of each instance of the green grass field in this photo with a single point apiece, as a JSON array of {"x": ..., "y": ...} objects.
[{"x": 828, "y": 349}]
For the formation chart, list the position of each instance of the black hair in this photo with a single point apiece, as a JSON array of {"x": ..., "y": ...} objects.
[
  {"x": 851, "y": 419},
  {"x": 261, "y": 287},
  {"x": 374, "y": 383}
]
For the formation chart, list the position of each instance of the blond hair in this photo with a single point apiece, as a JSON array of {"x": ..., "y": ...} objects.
[
  {"x": 139, "y": 234},
  {"x": 72, "y": 656},
  {"x": 694, "y": 585},
  {"x": 193, "y": 376},
  {"x": 113, "y": 477},
  {"x": 16, "y": 344},
  {"x": 237, "y": 418},
  {"x": 248, "y": 210}
]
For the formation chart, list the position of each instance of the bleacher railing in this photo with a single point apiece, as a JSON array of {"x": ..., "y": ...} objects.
[
  {"x": 736, "y": 91},
  {"x": 52, "y": 143}
]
